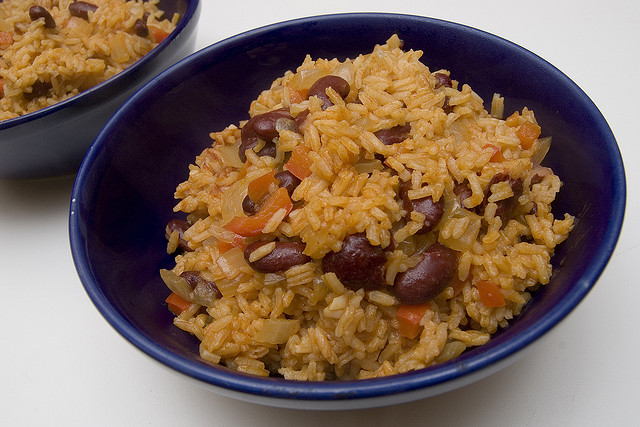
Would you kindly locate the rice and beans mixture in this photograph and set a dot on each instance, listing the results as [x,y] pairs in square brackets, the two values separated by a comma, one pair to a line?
[370,218]
[51,50]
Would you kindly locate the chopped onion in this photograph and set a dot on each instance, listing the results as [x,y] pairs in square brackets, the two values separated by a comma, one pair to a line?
[277,331]
[346,70]
[232,202]
[230,156]
[304,79]
[176,283]
[542,150]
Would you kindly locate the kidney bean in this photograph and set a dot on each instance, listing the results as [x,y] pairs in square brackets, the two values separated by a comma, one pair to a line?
[263,126]
[181,226]
[431,210]
[140,28]
[442,80]
[37,12]
[284,256]
[248,206]
[194,278]
[505,207]
[319,88]
[301,117]
[425,280]
[463,191]
[38,89]
[81,9]
[448,109]
[288,181]
[393,135]
[358,264]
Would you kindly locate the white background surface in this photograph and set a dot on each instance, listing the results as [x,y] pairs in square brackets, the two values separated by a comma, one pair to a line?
[62,364]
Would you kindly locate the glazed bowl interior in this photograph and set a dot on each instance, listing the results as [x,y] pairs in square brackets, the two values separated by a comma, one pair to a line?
[52,141]
[123,196]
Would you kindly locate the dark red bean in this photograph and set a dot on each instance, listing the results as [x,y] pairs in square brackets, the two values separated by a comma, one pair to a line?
[181,226]
[442,80]
[38,89]
[265,127]
[140,28]
[300,118]
[37,12]
[425,280]
[248,206]
[194,278]
[284,256]
[81,9]
[393,135]
[448,109]
[463,191]
[288,181]
[319,89]
[358,264]
[431,210]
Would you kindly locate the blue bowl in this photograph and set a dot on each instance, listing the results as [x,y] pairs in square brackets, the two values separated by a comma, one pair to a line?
[123,195]
[52,141]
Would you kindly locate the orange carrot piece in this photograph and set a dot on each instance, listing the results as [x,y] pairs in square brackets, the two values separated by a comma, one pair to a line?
[513,120]
[490,294]
[238,242]
[299,164]
[496,157]
[259,187]
[252,225]
[296,96]
[158,34]
[409,316]
[527,133]
[6,38]
[176,303]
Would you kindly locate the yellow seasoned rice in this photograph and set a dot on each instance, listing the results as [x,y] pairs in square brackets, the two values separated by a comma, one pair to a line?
[41,66]
[304,323]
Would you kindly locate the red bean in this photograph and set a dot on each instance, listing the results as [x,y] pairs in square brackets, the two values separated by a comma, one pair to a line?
[140,28]
[288,181]
[265,127]
[442,80]
[37,12]
[194,278]
[393,135]
[248,206]
[358,264]
[431,210]
[319,89]
[283,256]
[38,89]
[181,226]
[81,9]
[425,280]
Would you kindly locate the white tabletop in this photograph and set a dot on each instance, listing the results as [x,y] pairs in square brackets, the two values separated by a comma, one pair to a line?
[62,364]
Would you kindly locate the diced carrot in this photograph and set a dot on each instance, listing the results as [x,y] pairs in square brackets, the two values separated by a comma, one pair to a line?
[238,242]
[253,225]
[296,96]
[176,303]
[490,294]
[527,133]
[496,157]
[513,120]
[409,316]
[158,33]
[6,38]
[299,164]
[259,187]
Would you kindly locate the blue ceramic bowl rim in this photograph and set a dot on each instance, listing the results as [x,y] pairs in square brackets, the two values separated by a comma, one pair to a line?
[109,83]
[358,389]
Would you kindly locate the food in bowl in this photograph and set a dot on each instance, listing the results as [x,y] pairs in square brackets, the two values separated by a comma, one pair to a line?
[370,218]
[54,49]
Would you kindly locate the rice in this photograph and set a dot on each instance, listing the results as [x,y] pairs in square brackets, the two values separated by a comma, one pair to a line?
[48,59]
[295,298]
